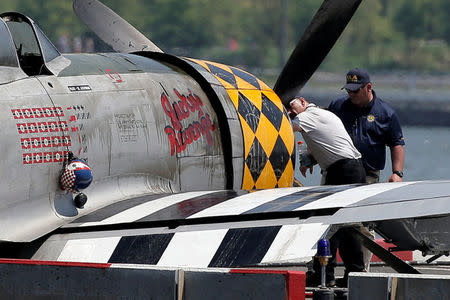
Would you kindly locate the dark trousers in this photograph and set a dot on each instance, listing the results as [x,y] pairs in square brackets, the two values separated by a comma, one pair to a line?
[344,171]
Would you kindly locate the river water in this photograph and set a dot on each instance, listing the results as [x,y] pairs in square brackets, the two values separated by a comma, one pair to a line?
[427,156]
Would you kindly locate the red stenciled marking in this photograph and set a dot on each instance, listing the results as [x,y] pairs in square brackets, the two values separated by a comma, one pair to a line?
[58,111]
[22,127]
[66,141]
[48,157]
[37,158]
[182,109]
[44,157]
[27,113]
[58,156]
[46,142]
[26,144]
[43,127]
[27,158]
[32,128]
[38,112]
[56,141]
[38,142]
[48,112]
[17,113]
[35,142]
[79,140]
[53,126]
[63,126]
[114,75]
[180,137]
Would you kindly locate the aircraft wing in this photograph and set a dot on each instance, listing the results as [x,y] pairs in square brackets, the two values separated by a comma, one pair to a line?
[240,228]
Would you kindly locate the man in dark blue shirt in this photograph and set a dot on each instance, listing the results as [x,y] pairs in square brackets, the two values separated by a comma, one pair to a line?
[372,124]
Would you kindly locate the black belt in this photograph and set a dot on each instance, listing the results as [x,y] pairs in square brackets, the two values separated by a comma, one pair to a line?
[340,162]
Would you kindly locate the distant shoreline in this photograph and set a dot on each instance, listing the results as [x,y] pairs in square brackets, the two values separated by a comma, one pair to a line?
[419,99]
[412,108]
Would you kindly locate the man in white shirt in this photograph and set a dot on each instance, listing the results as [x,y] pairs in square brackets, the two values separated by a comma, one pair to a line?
[331,146]
[328,142]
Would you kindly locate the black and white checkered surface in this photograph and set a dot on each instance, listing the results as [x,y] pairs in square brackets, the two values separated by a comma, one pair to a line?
[230,228]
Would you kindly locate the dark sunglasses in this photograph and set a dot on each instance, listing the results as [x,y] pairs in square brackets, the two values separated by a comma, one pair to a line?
[354,91]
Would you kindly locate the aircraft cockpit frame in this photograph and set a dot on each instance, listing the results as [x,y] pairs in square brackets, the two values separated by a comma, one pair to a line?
[8,57]
[27,47]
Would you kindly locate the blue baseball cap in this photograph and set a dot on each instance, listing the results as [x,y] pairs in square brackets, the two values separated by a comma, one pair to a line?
[356,78]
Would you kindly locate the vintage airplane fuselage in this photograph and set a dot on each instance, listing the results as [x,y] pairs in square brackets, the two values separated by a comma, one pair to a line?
[144,122]
[150,125]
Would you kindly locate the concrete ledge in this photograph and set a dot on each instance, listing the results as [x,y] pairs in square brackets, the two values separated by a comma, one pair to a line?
[295,280]
[28,279]
[398,286]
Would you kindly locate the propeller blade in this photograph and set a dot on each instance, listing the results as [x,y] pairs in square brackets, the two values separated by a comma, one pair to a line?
[322,33]
[111,28]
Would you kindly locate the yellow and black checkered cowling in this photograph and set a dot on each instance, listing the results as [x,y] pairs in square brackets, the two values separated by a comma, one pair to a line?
[269,141]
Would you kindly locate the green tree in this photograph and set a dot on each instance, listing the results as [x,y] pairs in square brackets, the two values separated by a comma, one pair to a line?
[54,17]
[424,19]
[406,34]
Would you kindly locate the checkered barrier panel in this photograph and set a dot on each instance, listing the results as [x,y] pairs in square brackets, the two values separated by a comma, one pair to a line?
[269,141]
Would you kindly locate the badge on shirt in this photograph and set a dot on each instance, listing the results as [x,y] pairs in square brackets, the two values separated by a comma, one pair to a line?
[370,118]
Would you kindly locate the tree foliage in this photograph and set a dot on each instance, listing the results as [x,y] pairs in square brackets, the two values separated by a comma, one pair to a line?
[405,34]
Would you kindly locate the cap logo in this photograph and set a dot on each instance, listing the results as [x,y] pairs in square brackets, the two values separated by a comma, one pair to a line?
[352,78]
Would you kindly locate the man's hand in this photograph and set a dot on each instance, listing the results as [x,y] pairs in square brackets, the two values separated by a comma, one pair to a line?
[395,178]
[303,170]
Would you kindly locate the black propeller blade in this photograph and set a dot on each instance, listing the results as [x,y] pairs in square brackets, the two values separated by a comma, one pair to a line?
[112,28]
[317,40]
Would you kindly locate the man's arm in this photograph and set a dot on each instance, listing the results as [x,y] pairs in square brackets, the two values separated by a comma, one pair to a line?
[296,126]
[398,159]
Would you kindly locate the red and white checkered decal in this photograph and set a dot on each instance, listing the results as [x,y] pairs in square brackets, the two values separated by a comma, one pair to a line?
[67,179]
[41,129]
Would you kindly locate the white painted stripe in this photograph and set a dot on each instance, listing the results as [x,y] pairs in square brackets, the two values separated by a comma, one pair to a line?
[101,249]
[192,249]
[392,210]
[196,249]
[295,242]
[142,210]
[417,256]
[246,202]
[351,196]
[89,250]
